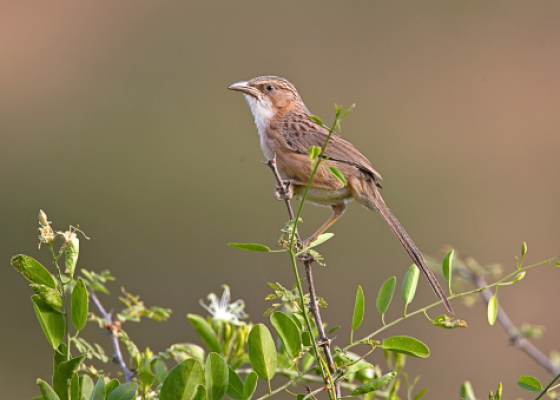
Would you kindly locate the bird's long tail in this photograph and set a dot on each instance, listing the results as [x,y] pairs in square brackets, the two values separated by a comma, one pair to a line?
[375,201]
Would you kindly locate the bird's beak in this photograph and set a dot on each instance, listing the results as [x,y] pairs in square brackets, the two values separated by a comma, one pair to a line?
[245,87]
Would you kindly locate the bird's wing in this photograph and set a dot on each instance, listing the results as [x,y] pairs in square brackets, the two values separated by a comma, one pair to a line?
[300,133]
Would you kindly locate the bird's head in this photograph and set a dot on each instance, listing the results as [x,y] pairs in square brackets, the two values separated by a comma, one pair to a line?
[270,96]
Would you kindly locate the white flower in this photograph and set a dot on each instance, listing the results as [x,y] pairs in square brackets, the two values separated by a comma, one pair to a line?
[224,311]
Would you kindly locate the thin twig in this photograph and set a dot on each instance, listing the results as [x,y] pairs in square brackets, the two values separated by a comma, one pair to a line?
[114,329]
[313,306]
[516,339]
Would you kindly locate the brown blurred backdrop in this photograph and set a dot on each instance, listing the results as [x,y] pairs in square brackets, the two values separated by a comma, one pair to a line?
[115,116]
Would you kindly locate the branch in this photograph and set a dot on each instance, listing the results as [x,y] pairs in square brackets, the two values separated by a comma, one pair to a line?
[516,339]
[325,342]
[114,328]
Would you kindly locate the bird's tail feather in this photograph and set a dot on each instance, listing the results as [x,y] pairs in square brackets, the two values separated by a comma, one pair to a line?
[377,203]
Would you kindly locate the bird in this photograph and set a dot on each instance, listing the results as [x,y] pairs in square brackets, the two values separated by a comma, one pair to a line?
[286,134]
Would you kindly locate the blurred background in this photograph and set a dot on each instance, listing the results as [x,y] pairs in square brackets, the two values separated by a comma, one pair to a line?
[115,116]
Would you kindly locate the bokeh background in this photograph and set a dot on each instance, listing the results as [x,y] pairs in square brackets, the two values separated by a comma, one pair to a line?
[115,116]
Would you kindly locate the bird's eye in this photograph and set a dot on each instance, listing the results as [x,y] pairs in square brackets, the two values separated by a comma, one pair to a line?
[269,87]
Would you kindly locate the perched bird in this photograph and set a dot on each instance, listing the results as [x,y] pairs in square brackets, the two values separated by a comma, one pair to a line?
[286,134]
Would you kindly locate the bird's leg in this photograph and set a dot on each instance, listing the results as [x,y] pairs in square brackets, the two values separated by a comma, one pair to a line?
[286,192]
[337,213]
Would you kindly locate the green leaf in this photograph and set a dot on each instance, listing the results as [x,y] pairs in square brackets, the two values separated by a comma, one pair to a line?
[519,276]
[406,345]
[205,332]
[86,387]
[358,309]
[492,310]
[68,368]
[314,152]
[529,383]
[112,385]
[358,366]
[421,394]
[99,389]
[348,110]
[51,296]
[33,271]
[338,175]
[316,119]
[79,305]
[216,373]
[235,386]
[446,322]
[46,390]
[306,339]
[410,284]
[447,268]
[52,322]
[126,391]
[262,352]
[249,386]
[250,247]
[199,393]
[374,384]
[75,387]
[59,381]
[467,391]
[288,332]
[333,329]
[321,239]
[71,253]
[181,382]
[523,249]
[386,295]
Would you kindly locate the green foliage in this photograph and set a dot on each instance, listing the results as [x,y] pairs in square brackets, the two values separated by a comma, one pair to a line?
[385,296]
[79,305]
[410,283]
[51,320]
[181,382]
[205,332]
[262,352]
[216,373]
[288,332]
[374,384]
[406,345]
[529,383]
[492,310]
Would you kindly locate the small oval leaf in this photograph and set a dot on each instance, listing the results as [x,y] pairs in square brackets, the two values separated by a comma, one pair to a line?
[250,247]
[33,270]
[492,310]
[288,332]
[52,322]
[421,394]
[406,345]
[449,323]
[467,391]
[529,383]
[181,382]
[316,119]
[519,276]
[359,308]
[410,284]
[262,352]
[205,332]
[79,305]
[216,372]
[386,295]
[374,384]
[46,390]
[126,391]
[249,386]
[71,254]
[68,368]
[321,239]
[338,175]
[314,152]
[235,386]
[99,389]
[447,266]
[51,296]
[334,329]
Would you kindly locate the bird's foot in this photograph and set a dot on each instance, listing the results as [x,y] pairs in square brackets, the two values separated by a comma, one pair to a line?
[284,192]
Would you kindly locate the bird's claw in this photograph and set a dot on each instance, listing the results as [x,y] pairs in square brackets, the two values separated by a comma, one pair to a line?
[284,192]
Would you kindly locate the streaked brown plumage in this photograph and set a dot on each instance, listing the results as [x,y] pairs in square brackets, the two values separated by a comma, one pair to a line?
[286,133]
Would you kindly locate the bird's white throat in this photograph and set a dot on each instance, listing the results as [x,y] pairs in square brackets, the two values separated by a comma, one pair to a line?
[263,112]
